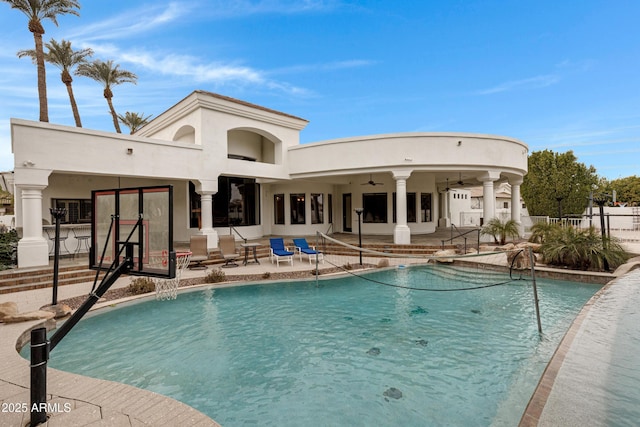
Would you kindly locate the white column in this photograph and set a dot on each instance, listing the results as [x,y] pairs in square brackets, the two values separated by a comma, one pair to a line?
[206,219]
[445,221]
[401,232]
[206,189]
[33,248]
[488,195]
[515,202]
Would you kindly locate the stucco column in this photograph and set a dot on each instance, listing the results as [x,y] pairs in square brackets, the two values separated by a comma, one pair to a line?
[33,248]
[207,189]
[401,232]
[444,220]
[515,202]
[488,195]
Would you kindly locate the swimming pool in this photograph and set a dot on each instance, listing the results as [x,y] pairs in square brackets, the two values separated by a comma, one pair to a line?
[341,352]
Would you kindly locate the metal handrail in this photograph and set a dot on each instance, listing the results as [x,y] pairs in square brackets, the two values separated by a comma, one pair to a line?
[460,234]
[232,230]
[330,228]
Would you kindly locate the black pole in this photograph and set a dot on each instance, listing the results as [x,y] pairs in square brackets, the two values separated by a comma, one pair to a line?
[39,357]
[559,199]
[58,214]
[532,261]
[40,347]
[124,267]
[601,200]
[359,212]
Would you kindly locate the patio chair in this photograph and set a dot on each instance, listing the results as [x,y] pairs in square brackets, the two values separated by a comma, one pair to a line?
[278,251]
[227,245]
[199,251]
[302,247]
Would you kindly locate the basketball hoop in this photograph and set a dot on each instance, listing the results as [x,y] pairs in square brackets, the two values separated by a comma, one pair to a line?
[167,289]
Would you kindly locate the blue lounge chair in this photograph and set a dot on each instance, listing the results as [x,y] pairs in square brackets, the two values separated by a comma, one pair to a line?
[278,251]
[310,251]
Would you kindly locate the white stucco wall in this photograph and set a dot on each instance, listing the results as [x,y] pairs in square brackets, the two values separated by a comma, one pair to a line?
[412,152]
[191,141]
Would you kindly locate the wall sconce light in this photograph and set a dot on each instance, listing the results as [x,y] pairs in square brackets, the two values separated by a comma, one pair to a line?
[459,143]
[28,163]
[129,150]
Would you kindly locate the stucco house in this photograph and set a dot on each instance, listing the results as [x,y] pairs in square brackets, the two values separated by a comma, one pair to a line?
[236,163]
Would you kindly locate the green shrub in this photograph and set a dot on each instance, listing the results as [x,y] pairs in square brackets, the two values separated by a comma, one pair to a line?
[582,249]
[141,285]
[215,276]
[8,245]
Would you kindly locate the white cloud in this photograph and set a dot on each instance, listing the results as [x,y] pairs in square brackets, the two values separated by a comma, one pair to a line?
[126,26]
[329,66]
[234,8]
[524,84]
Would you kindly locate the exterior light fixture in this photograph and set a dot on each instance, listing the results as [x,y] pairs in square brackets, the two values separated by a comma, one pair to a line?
[129,150]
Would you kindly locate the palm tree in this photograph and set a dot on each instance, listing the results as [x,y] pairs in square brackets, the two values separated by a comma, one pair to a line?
[36,11]
[134,121]
[65,58]
[501,230]
[109,75]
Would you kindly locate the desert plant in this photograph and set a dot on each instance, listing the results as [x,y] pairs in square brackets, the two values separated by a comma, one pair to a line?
[266,275]
[540,231]
[500,230]
[215,276]
[582,249]
[141,285]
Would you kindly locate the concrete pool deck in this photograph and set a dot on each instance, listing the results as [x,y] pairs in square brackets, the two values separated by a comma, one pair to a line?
[561,392]
[592,378]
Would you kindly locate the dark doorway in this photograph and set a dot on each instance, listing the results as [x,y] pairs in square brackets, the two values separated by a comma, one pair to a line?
[347,212]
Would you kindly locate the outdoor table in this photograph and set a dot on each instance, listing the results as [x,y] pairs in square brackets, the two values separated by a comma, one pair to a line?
[253,247]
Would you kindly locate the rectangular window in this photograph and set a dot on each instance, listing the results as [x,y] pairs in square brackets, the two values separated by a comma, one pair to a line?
[317,209]
[78,210]
[411,207]
[425,207]
[330,201]
[375,207]
[505,205]
[237,202]
[297,208]
[278,209]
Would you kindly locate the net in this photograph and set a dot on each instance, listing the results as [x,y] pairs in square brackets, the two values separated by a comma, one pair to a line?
[468,271]
[167,289]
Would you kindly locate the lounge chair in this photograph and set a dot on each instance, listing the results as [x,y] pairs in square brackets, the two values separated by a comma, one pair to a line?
[278,251]
[199,251]
[227,245]
[302,247]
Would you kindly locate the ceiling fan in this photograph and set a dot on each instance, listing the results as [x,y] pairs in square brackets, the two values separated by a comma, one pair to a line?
[372,182]
[459,182]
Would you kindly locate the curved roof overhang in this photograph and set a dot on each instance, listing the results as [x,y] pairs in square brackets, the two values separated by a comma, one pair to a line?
[450,156]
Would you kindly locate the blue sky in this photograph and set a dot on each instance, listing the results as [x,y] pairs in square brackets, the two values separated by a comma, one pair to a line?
[558,75]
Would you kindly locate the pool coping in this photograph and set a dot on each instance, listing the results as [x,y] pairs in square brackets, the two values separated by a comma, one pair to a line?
[533,412]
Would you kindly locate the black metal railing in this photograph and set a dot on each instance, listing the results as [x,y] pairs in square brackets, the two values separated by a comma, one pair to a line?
[232,230]
[464,236]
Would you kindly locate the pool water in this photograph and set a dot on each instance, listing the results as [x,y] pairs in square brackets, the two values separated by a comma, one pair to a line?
[339,352]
